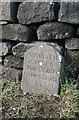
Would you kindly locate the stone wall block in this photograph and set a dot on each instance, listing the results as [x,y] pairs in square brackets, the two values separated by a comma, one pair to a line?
[69,12]
[30,12]
[10,73]
[8,11]
[17,32]
[55,30]
[72,44]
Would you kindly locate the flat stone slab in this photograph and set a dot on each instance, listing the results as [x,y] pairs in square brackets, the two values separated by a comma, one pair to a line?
[41,70]
[17,32]
[69,12]
[31,12]
[55,30]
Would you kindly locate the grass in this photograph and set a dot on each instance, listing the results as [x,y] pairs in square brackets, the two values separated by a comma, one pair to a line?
[15,104]
[70,98]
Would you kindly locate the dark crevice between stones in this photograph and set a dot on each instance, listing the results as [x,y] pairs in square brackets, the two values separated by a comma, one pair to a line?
[35,26]
[67,23]
[61,42]
[2,60]
[56,10]
[75,29]
[14,9]
[12,42]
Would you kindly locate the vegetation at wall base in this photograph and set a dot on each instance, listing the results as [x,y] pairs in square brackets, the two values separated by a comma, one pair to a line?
[16,104]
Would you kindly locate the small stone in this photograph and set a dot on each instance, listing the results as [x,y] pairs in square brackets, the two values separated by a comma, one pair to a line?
[5,48]
[14,109]
[20,49]
[54,30]
[72,44]
[10,73]
[1,60]
[24,93]
[13,61]
[3,22]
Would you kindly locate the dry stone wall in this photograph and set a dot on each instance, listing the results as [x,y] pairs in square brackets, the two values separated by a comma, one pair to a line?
[26,24]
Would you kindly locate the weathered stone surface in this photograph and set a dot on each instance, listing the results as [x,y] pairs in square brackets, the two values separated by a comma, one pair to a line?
[0,59]
[17,32]
[41,71]
[3,22]
[72,43]
[31,12]
[12,61]
[69,12]
[5,48]
[56,46]
[10,73]
[20,49]
[8,11]
[55,30]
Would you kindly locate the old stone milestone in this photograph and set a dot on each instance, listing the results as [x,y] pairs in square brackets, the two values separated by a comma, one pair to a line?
[41,70]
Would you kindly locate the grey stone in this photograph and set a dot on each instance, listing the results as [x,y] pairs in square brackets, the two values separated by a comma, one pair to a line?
[41,70]
[17,32]
[8,11]
[54,30]
[13,61]
[1,60]
[10,73]
[0,33]
[69,12]
[59,48]
[20,49]
[5,48]
[72,43]
[3,22]
[31,12]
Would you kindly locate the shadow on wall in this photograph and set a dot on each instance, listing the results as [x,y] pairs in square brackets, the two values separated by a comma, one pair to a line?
[14,9]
